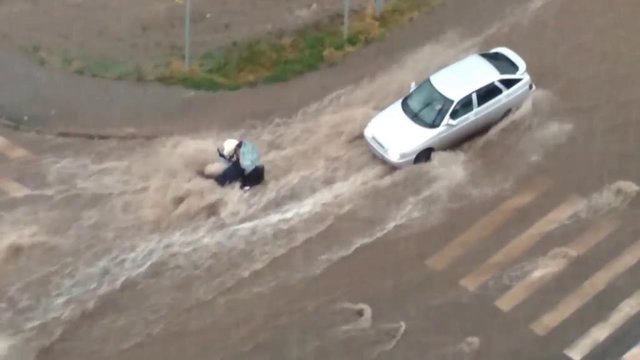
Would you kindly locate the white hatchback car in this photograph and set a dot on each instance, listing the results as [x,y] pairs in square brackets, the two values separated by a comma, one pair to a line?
[453,104]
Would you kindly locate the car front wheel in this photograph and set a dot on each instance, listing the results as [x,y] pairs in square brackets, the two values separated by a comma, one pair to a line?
[423,156]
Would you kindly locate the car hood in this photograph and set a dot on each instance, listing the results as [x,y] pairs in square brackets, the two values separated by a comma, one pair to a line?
[397,132]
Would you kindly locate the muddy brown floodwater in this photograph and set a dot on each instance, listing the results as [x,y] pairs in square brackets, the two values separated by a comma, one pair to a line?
[135,257]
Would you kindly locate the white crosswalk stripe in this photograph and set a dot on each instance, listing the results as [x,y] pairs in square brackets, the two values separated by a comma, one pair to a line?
[522,243]
[552,265]
[484,227]
[13,188]
[590,288]
[619,316]
[11,150]
[632,354]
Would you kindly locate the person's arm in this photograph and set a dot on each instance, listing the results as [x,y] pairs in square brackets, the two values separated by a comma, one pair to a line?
[236,153]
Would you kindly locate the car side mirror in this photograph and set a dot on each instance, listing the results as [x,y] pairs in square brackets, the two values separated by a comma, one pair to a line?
[452,122]
[412,86]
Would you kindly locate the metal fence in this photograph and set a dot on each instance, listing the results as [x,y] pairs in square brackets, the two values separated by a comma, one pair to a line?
[379,7]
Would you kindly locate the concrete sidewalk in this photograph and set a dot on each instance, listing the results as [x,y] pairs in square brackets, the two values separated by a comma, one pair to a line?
[54,101]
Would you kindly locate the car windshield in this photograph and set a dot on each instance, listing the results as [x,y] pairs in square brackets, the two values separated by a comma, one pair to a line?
[426,106]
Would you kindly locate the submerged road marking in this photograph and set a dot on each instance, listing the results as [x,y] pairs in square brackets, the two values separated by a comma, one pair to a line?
[522,243]
[632,354]
[597,334]
[548,270]
[596,283]
[13,188]
[486,225]
[11,150]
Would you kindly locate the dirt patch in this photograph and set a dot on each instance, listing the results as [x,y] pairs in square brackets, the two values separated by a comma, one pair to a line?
[145,30]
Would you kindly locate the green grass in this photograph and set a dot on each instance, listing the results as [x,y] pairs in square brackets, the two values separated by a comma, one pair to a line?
[267,60]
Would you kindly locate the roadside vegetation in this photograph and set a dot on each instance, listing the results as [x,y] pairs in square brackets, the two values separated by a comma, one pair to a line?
[257,61]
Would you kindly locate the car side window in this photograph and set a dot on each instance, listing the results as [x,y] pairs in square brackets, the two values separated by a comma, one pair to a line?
[462,108]
[509,83]
[488,93]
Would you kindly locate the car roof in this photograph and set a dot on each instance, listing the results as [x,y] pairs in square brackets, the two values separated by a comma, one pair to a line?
[464,76]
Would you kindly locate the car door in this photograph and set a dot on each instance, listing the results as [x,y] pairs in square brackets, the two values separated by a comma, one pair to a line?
[516,90]
[458,125]
[490,106]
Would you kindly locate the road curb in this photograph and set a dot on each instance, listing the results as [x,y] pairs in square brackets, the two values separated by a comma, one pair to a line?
[128,134]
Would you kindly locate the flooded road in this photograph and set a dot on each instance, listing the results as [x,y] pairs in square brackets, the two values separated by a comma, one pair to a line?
[121,252]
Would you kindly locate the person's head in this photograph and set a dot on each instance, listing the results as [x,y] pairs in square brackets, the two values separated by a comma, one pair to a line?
[229,148]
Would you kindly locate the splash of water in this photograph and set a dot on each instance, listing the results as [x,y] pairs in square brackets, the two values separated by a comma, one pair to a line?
[364,313]
[615,195]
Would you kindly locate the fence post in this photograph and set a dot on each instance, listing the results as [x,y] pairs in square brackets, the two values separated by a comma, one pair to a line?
[379,7]
[187,33]
[345,25]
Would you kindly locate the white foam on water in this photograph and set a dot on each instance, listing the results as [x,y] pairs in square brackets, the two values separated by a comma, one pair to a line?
[5,343]
[469,346]
[396,330]
[449,170]
[12,349]
[365,317]
[612,196]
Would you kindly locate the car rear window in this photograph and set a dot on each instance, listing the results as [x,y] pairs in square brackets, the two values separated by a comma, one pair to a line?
[501,62]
